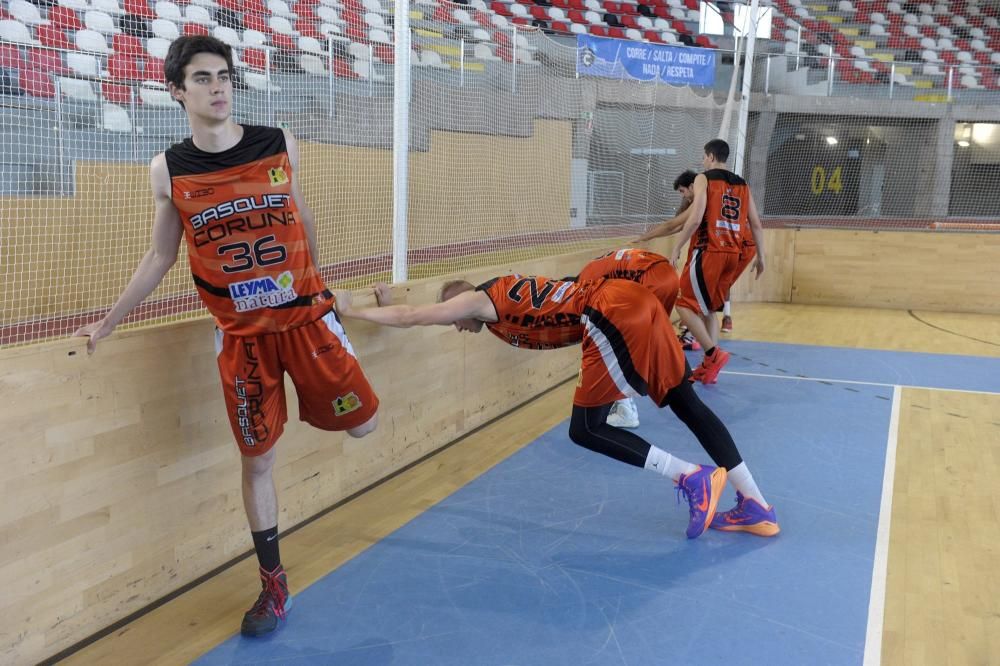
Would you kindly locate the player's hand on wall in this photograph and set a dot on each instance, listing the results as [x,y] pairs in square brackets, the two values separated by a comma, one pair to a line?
[94,332]
[344,301]
[383,294]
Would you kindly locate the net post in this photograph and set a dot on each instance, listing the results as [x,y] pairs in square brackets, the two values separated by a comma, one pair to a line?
[951,81]
[400,138]
[59,133]
[829,77]
[267,83]
[767,76]
[751,40]
[513,70]
[135,127]
[329,73]
[461,62]
[892,77]
[371,69]
[798,46]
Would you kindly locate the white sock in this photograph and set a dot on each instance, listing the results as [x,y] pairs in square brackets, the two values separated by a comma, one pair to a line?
[668,465]
[725,310]
[741,479]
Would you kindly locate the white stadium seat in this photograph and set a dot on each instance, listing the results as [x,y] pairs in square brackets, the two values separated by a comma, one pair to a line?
[116,119]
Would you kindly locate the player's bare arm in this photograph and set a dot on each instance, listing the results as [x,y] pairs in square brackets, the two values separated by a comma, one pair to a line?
[757,230]
[694,214]
[305,213]
[467,305]
[161,256]
[668,228]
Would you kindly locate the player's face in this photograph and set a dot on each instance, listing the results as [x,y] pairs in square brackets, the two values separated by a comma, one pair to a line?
[208,87]
[685,191]
[470,325]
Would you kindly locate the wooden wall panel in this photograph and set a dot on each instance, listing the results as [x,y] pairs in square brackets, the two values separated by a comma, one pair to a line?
[122,483]
[950,272]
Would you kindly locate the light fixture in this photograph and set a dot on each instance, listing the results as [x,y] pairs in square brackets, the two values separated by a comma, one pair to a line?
[963,143]
[832,140]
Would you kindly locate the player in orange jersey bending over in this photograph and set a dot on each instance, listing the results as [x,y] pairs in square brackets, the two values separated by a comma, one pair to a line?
[232,192]
[628,349]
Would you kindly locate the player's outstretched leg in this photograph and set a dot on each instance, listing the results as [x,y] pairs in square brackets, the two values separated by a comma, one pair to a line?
[701,484]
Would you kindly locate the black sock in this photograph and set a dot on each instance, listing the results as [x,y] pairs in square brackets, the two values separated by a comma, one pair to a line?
[711,351]
[265,543]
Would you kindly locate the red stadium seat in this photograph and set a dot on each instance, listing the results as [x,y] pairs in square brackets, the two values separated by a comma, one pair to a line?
[195,29]
[117,93]
[342,69]
[284,42]
[10,57]
[139,8]
[559,26]
[386,53]
[45,60]
[153,70]
[255,59]
[124,67]
[50,35]
[64,18]
[37,83]
[127,45]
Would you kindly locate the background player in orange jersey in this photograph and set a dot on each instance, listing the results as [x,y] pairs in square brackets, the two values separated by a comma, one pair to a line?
[628,349]
[721,210]
[232,192]
[682,184]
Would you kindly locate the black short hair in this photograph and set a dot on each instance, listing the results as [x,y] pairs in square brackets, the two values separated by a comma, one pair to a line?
[183,50]
[718,149]
[686,179]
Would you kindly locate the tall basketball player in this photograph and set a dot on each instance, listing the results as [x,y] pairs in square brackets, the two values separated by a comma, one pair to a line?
[232,191]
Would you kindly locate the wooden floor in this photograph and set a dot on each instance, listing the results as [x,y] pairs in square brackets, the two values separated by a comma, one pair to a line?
[942,583]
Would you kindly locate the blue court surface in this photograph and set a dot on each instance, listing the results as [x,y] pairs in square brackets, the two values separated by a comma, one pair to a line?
[562,556]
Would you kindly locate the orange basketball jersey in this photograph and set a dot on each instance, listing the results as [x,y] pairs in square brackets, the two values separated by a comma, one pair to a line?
[248,249]
[625,264]
[725,219]
[536,312]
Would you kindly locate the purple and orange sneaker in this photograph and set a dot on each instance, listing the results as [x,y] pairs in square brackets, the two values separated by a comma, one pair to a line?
[702,489]
[747,516]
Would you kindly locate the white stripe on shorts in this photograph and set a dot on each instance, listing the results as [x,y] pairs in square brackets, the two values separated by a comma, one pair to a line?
[696,287]
[330,319]
[608,356]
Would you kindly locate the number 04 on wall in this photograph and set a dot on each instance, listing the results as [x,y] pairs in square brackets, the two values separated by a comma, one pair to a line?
[820,183]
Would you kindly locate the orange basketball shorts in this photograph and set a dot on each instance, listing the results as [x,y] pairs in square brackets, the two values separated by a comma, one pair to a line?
[706,279]
[629,347]
[747,254]
[333,392]
[662,280]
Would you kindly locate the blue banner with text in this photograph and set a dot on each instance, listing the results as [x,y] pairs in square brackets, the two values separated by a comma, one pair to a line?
[627,59]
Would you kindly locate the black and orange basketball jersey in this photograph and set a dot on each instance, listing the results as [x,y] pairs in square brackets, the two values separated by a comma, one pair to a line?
[624,264]
[725,219]
[536,312]
[248,249]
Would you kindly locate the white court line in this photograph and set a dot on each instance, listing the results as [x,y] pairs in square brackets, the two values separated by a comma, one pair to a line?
[876,600]
[852,381]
